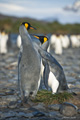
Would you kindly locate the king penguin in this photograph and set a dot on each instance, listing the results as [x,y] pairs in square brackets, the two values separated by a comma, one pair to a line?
[29,64]
[53,75]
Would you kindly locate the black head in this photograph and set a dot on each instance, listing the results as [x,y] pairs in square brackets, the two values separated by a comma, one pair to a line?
[27,25]
[42,39]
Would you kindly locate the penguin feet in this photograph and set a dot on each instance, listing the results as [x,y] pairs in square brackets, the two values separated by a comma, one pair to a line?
[27,97]
[24,97]
[25,102]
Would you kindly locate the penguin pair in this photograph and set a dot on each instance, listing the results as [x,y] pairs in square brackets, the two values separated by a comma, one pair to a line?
[29,63]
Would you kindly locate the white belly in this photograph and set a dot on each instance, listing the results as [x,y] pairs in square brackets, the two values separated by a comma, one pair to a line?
[53,83]
[42,69]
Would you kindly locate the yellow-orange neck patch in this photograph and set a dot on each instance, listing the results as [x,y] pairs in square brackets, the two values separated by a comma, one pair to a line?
[45,39]
[26,25]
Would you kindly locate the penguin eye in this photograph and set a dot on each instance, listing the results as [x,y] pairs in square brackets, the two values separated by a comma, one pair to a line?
[26,25]
[45,39]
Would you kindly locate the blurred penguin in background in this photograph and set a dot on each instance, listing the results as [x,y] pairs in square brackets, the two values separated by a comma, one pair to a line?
[74,41]
[64,40]
[9,43]
[78,37]
[19,41]
[3,42]
[58,46]
[55,45]
[52,41]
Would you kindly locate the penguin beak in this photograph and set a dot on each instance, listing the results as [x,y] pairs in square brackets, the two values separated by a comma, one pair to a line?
[32,28]
[36,36]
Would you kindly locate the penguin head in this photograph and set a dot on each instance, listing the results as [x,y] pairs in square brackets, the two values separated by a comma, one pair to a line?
[27,25]
[42,39]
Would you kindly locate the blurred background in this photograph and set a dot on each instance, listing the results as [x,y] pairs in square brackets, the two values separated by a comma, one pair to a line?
[61,16]
[49,17]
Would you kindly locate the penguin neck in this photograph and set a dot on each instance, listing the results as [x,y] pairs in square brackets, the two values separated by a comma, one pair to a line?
[26,39]
[45,45]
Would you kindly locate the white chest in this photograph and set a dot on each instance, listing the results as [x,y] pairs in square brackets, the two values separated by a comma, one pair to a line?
[53,82]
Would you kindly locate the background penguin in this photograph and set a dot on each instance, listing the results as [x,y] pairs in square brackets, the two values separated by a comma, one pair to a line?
[18,41]
[53,75]
[58,45]
[30,64]
[3,42]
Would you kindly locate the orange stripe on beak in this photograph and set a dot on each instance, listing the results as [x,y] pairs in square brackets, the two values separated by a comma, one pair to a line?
[36,36]
[32,28]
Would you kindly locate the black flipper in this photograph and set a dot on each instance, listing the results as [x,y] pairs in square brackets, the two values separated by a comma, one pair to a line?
[46,74]
[49,58]
[19,59]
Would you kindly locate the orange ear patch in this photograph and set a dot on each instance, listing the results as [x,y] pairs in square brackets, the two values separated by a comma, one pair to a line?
[26,25]
[45,39]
